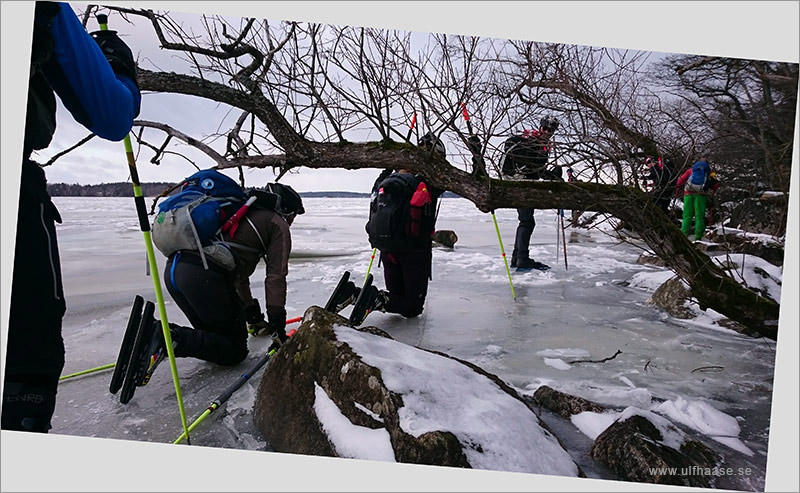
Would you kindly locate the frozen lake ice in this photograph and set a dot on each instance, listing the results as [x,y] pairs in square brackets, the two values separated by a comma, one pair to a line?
[678,368]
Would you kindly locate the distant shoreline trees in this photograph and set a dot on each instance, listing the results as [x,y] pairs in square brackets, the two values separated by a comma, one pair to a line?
[123,189]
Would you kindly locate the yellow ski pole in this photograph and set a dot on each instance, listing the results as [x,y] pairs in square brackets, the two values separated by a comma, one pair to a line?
[144,224]
[371,259]
[505,260]
[86,372]
[465,114]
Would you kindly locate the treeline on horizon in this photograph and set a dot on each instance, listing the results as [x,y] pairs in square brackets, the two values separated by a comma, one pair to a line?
[124,189]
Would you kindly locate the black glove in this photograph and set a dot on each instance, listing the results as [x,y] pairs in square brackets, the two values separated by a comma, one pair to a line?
[474,144]
[256,325]
[117,53]
[277,322]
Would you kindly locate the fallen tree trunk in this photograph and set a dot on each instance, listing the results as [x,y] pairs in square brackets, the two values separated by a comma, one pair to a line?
[712,287]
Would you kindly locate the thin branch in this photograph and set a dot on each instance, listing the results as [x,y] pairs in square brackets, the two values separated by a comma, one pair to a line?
[214,155]
[80,143]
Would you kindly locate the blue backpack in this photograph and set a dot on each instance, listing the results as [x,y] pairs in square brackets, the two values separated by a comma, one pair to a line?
[193,218]
[697,180]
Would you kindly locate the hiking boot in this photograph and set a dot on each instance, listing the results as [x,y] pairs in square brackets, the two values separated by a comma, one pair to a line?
[370,299]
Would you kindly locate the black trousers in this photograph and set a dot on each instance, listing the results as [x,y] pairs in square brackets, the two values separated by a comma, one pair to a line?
[208,299]
[406,276]
[522,240]
[35,349]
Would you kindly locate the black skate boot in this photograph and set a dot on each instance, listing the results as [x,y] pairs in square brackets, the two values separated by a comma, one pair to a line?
[346,297]
[149,350]
[344,294]
[527,264]
[371,299]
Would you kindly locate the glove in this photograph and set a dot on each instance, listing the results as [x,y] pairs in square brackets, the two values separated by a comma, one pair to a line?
[117,53]
[277,322]
[474,144]
[256,325]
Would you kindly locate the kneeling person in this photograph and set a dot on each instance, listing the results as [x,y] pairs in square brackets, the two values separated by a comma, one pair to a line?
[406,268]
[218,302]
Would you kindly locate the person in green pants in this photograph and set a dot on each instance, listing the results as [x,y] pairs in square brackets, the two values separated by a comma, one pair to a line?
[698,184]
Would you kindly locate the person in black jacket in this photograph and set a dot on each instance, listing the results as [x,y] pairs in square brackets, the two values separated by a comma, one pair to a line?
[662,180]
[406,273]
[526,157]
[94,76]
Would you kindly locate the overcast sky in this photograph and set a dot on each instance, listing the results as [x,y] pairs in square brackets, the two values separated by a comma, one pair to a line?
[101,161]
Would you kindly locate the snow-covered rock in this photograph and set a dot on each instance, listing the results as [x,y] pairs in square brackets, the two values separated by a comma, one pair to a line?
[644,447]
[333,390]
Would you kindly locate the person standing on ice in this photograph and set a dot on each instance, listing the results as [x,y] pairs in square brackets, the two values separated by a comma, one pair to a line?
[407,256]
[219,303]
[526,157]
[696,190]
[94,76]
[660,176]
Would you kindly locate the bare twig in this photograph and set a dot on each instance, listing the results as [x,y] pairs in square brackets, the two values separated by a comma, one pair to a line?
[80,143]
[598,361]
[709,368]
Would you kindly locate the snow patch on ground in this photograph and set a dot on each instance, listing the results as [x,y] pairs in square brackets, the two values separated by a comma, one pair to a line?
[368,412]
[706,419]
[592,424]
[349,440]
[755,272]
[650,281]
[557,363]
[564,353]
[671,436]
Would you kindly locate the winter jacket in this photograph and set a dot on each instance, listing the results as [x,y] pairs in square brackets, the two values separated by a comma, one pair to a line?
[65,60]
[273,231]
[527,155]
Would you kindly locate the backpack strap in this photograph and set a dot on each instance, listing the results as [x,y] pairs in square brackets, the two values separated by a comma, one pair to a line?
[255,230]
[188,210]
[237,246]
[246,248]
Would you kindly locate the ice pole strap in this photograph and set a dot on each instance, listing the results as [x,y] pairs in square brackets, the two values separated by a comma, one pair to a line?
[151,260]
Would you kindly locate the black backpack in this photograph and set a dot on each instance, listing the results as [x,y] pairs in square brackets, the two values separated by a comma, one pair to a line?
[394,223]
[525,155]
